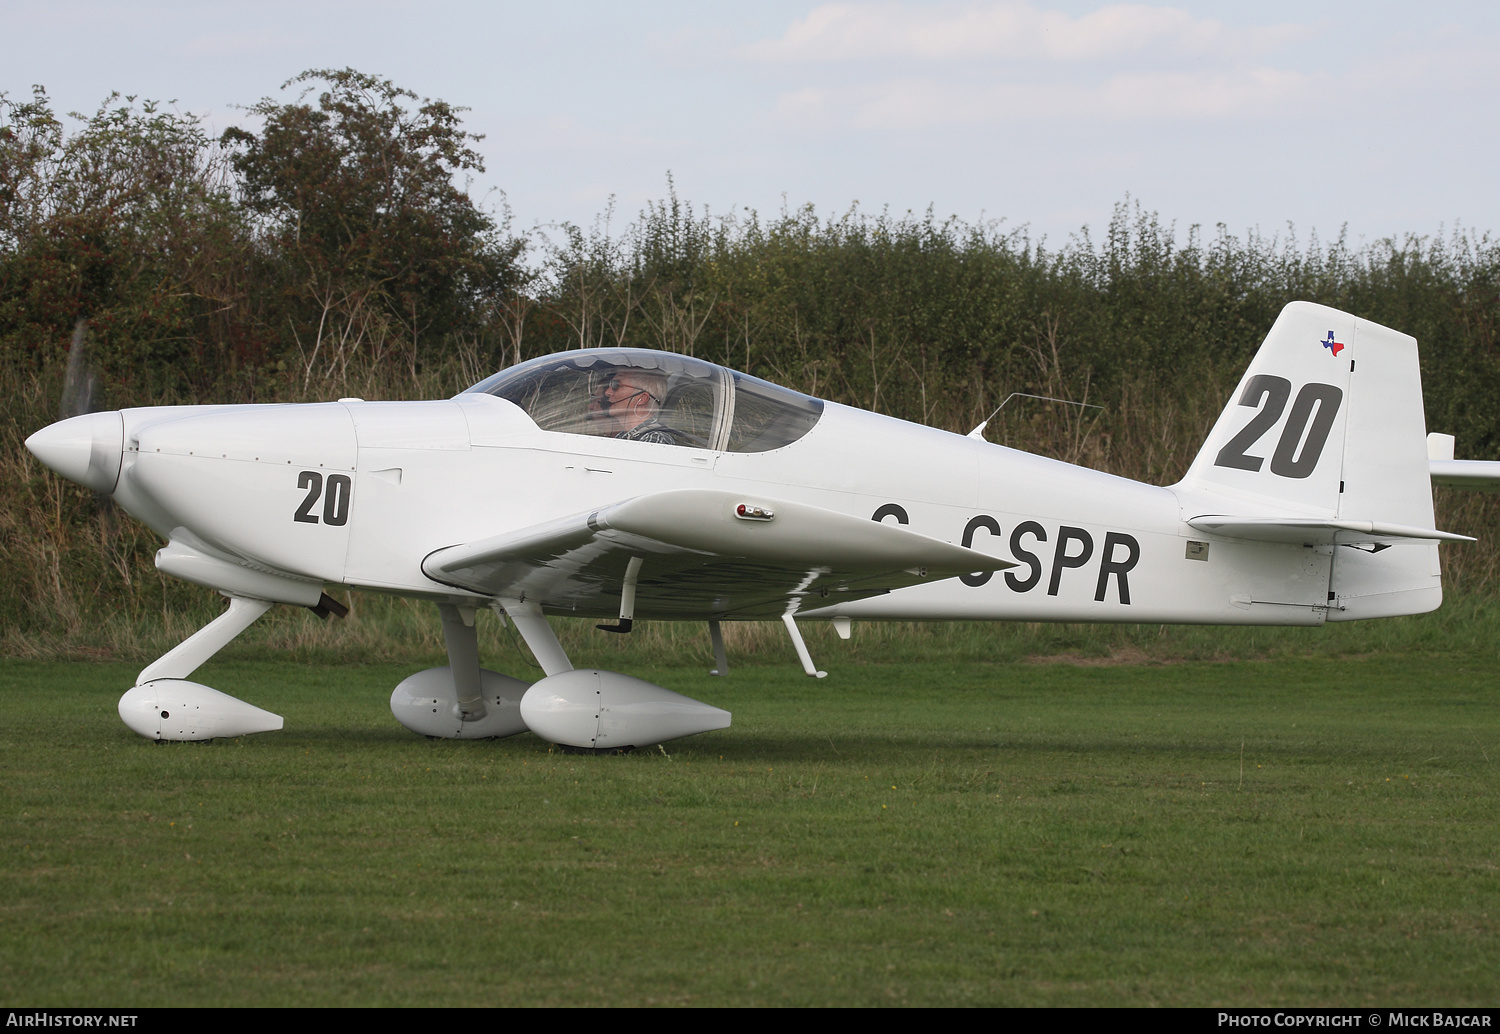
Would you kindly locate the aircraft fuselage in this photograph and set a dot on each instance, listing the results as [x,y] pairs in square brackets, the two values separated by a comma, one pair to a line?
[358,493]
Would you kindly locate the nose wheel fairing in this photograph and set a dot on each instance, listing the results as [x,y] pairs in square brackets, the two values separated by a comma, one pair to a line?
[176,709]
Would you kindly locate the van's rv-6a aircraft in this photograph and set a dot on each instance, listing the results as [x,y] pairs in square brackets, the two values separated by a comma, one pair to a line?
[627,484]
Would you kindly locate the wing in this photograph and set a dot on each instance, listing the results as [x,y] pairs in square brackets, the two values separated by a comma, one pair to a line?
[704,554]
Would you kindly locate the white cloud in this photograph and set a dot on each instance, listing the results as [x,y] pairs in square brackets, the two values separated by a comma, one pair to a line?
[901,66]
[1011,29]
[1243,92]
[916,103]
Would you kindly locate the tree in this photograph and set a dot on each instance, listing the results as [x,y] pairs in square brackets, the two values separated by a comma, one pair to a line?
[359,193]
[124,224]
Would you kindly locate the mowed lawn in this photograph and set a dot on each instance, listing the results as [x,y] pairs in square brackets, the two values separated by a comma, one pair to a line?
[1269,832]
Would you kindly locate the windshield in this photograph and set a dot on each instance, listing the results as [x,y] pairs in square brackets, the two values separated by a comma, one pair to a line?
[655,397]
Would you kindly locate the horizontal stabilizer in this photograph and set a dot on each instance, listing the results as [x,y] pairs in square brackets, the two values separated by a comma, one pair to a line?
[1476,475]
[1317,531]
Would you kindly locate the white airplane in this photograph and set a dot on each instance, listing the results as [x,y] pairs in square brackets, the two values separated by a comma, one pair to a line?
[628,484]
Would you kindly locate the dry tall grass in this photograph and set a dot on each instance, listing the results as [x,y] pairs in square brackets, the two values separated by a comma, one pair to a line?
[82,582]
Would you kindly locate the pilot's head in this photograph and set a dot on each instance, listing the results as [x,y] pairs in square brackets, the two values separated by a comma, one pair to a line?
[628,398]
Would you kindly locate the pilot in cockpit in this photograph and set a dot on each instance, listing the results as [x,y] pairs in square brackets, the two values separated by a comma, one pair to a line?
[628,405]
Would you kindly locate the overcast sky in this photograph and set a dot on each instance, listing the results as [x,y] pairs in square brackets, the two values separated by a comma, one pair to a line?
[1378,117]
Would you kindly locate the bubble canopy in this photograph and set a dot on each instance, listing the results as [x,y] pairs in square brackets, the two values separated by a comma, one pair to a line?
[655,397]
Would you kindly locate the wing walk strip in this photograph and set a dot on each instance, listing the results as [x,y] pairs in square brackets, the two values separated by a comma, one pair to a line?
[708,560]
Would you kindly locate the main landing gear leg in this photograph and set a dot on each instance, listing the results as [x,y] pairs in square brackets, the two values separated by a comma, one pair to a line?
[721,659]
[462,640]
[462,701]
[532,624]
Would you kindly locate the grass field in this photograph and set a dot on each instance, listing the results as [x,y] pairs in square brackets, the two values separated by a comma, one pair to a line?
[1285,831]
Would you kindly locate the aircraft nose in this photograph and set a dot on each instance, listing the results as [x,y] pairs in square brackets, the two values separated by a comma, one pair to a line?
[86,449]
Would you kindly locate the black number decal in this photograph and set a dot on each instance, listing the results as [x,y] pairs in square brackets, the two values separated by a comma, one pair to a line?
[1276,390]
[336,501]
[1288,460]
[1285,461]
[895,510]
[993,527]
[313,482]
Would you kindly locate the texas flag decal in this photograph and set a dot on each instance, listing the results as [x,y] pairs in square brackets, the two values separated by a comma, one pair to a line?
[1333,346]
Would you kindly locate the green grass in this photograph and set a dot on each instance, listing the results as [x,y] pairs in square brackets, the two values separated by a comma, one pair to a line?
[409,632]
[1288,831]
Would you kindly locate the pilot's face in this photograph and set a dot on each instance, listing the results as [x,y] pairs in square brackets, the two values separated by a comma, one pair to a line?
[619,405]
[596,414]
[601,396]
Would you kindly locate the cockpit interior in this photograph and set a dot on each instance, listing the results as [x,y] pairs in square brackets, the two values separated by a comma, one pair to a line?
[655,397]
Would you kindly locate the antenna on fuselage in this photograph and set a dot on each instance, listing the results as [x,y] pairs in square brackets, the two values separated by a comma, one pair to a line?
[978,432]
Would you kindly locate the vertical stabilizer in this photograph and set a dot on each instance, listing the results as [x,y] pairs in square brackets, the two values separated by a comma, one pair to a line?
[1327,423]
[1278,446]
